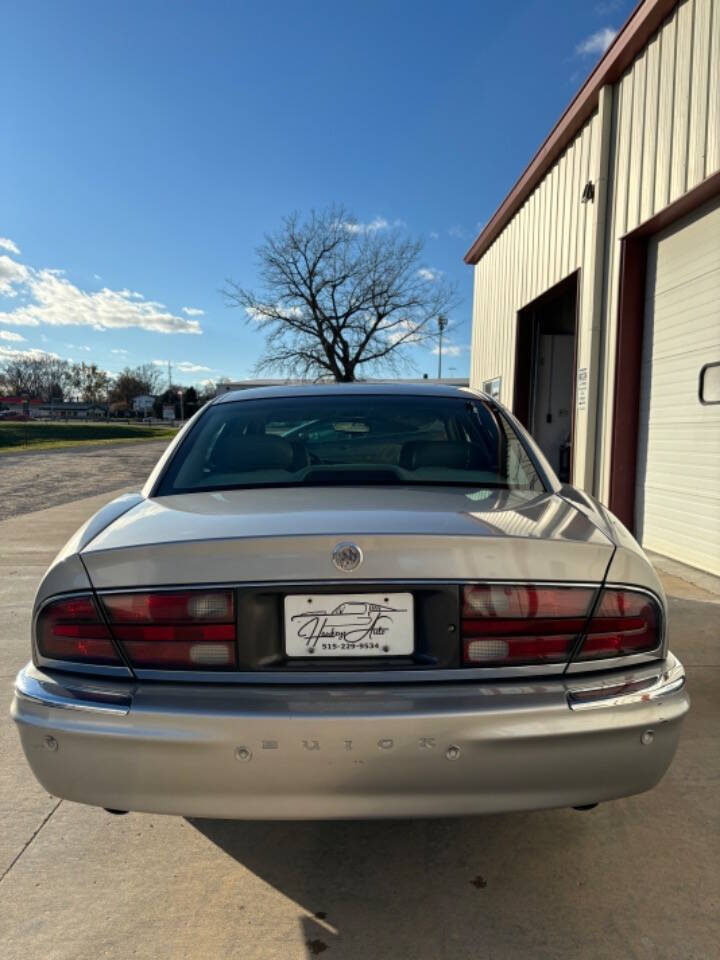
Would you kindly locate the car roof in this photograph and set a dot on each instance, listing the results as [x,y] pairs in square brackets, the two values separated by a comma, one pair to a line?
[350,389]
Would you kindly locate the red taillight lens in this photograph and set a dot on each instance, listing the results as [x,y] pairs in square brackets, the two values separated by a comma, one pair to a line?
[189,630]
[72,629]
[624,623]
[189,607]
[513,626]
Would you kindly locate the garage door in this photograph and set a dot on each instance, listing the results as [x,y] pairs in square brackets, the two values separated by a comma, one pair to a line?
[677,508]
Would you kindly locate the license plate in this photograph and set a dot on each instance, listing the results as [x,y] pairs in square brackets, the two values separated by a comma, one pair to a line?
[349,625]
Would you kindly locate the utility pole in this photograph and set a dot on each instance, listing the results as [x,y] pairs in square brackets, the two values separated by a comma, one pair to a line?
[442,323]
[182,407]
[169,375]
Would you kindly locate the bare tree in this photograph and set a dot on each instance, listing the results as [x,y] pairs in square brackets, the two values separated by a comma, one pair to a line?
[131,383]
[89,382]
[39,376]
[339,299]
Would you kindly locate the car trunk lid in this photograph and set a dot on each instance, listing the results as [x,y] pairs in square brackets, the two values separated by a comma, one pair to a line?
[288,534]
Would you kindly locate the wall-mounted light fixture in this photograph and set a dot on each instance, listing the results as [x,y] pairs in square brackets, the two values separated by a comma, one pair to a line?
[588,194]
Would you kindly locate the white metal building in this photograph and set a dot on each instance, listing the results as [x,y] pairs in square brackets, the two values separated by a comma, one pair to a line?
[597,284]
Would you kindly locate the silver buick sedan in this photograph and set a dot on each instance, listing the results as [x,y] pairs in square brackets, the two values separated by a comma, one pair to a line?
[350,601]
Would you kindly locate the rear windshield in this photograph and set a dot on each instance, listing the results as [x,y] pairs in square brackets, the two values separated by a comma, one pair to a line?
[343,440]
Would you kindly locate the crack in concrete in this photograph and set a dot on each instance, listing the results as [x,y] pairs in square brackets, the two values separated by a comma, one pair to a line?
[28,842]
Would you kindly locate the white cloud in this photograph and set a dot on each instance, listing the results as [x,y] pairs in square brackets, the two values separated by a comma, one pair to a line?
[56,301]
[456,231]
[377,223]
[9,353]
[96,276]
[12,274]
[434,235]
[451,349]
[258,314]
[78,346]
[193,312]
[184,366]
[597,43]
[9,245]
[9,335]
[602,9]
[430,274]
[119,350]
[407,329]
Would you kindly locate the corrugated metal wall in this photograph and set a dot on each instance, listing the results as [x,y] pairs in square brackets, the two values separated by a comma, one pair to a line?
[665,139]
[667,115]
[544,243]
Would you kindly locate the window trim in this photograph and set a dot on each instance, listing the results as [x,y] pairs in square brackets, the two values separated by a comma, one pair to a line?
[513,426]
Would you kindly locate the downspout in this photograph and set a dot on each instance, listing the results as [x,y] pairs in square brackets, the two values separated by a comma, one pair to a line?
[597,259]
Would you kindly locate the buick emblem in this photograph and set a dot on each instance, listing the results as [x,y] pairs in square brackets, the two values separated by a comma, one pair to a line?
[347,557]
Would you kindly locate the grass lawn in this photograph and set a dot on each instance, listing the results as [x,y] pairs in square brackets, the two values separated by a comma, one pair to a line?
[19,435]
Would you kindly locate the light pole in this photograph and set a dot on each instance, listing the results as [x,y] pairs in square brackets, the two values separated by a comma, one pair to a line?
[442,323]
[182,407]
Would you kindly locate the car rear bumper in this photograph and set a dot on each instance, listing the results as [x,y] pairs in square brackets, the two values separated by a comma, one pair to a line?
[351,752]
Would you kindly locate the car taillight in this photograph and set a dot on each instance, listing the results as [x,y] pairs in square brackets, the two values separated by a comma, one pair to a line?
[518,625]
[625,622]
[189,630]
[72,629]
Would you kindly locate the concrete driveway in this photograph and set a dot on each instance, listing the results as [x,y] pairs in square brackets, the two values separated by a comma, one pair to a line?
[636,878]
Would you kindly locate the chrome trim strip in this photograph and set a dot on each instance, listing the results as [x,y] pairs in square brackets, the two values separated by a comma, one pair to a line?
[50,693]
[343,581]
[611,694]
[578,667]
[279,677]
[73,667]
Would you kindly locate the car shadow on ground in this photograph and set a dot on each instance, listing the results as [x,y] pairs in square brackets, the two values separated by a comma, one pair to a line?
[470,887]
[545,885]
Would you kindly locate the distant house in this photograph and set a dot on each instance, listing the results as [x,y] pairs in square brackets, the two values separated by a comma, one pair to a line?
[70,410]
[143,404]
[53,409]
[20,405]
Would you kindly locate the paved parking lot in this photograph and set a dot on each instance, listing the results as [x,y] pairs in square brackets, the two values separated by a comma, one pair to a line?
[638,878]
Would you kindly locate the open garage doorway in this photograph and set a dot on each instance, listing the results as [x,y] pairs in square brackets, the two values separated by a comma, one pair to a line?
[544,398]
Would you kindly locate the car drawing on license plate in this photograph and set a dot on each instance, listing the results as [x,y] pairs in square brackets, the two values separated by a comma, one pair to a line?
[355,626]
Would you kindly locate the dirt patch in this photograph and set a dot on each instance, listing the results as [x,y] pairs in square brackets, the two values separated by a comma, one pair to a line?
[34,481]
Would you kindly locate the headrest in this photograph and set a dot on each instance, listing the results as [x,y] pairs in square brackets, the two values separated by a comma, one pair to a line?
[242,454]
[443,453]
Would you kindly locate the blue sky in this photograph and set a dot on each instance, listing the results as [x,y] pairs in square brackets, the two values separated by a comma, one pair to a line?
[148,146]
